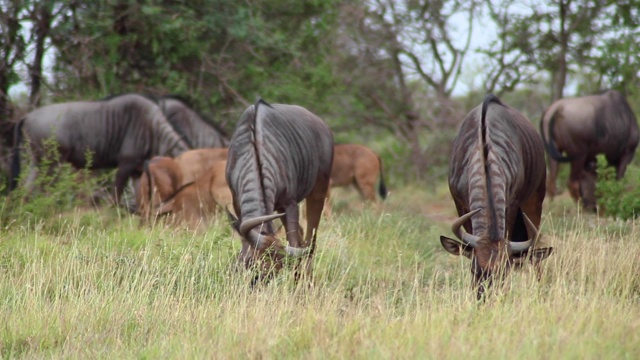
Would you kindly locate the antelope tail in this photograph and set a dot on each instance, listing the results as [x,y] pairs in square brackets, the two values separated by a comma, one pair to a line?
[382,188]
[15,156]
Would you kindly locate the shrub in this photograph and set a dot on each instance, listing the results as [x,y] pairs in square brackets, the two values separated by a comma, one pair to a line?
[57,188]
[620,199]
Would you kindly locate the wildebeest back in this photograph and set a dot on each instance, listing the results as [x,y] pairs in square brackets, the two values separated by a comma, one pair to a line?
[275,157]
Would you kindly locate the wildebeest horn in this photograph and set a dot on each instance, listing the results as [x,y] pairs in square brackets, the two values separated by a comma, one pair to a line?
[463,235]
[515,247]
[249,224]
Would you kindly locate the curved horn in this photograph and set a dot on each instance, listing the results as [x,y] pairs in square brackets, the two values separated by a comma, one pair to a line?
[456,227]
[532,231]
[516,247]
[249,224]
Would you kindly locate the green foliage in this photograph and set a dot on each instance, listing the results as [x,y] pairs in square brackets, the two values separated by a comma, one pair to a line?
[57,188]
[619,199]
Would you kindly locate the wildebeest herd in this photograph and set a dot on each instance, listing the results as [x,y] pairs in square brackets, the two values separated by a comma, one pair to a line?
[279,155]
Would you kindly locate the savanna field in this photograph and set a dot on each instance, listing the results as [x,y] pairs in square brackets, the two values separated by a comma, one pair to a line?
[92,283]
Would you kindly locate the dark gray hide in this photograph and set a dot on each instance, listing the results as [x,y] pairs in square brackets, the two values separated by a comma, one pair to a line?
[278,157]
[197,131]
[582,128]
[121,132]
[497,181]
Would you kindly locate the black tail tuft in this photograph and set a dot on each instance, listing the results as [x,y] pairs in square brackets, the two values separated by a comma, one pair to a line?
[382,188]
[549,144]
[15,156]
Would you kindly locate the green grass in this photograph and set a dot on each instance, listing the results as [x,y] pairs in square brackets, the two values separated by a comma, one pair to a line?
[93,284]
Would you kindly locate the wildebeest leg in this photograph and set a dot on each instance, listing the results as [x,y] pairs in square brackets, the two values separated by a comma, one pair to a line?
[552,190]
[29,182]
[621,166]
[577,167]
[366,186]
[125,171]
[292,226]
[532,207]
[327,204]
[315,204]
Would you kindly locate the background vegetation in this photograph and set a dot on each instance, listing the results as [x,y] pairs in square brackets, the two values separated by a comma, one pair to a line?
[396,75]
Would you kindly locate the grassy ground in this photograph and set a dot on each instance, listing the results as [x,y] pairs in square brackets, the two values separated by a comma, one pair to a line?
[93,284]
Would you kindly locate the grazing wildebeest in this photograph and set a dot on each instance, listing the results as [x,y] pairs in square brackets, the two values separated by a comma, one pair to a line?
[196,130]
[193,203]
[119,132]
[583,127]
[279,155]
[359,166]
[497,181]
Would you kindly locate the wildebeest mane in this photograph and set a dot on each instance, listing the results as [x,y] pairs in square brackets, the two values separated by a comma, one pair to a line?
[207,119]
[147,96]
[487,160]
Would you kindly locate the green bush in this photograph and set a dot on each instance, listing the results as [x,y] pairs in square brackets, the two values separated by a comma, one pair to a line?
[620,199]
[58,187]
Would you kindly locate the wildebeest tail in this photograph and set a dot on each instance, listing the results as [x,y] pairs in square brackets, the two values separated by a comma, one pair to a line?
[382,188]
[15,156]
[549,144]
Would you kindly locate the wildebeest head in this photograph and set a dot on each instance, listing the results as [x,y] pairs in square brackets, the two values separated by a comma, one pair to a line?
[490,259]
[261,249]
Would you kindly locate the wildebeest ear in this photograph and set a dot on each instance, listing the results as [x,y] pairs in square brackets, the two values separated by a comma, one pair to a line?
[455,247]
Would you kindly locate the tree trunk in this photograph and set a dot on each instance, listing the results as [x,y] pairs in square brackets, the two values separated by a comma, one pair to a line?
[560,75]
[42,18]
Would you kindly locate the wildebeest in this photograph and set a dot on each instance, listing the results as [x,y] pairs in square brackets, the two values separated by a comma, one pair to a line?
[583,127]
[279,155]
[197,131]
[194,202]
[122,131]
[497,181]
[359,166]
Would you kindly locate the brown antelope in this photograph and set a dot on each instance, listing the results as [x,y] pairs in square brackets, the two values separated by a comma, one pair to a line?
[359,166]
[196,162]
[194,203]
[159,181]
[161,177]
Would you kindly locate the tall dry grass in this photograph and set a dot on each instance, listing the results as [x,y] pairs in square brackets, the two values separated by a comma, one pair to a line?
[93,284]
